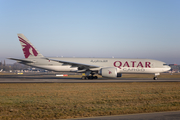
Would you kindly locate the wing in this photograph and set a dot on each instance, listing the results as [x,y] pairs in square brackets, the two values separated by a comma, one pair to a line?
[80,66]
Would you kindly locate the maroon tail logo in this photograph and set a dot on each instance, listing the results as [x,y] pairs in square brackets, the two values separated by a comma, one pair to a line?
[27,47]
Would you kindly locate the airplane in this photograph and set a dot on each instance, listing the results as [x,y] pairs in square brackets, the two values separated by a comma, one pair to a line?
[106,67]
[1,70]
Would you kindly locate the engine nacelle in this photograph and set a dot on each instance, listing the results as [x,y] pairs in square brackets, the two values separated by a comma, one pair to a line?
[110,72]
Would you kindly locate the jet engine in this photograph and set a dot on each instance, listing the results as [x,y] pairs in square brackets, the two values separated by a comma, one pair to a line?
[110,72]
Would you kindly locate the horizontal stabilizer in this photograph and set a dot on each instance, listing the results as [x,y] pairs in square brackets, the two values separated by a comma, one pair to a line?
[22,60]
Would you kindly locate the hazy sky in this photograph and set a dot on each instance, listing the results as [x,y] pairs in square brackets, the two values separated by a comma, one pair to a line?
[92,28]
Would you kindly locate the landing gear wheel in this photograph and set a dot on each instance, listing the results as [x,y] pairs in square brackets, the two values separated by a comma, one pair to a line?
[83,77]
[89,77]
[155,78]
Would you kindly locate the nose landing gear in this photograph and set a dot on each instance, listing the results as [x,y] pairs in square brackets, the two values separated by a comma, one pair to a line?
[155,78]
[156,74]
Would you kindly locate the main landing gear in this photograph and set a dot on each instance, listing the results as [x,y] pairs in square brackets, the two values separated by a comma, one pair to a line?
[89,77]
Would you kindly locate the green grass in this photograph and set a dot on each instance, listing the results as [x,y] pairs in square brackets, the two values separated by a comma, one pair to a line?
[75,100]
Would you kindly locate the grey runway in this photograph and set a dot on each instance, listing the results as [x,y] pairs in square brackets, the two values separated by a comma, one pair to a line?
[54,79]
[174,115]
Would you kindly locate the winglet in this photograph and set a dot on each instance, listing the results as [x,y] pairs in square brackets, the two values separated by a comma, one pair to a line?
[28,49]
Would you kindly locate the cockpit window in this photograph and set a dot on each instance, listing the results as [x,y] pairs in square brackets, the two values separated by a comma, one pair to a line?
[165,64]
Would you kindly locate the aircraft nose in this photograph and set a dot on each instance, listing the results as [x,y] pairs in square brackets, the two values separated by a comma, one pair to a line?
[169,68]
[166,67]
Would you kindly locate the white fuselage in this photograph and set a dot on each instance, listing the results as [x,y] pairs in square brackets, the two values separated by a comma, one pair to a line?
[122,65]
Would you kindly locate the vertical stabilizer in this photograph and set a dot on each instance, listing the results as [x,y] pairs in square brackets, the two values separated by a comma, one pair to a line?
[28,49]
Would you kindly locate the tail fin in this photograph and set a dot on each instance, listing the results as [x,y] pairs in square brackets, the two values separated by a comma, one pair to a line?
[28,49]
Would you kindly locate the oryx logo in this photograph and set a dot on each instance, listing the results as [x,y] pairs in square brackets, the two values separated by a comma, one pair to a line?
[27,48]
[109,72]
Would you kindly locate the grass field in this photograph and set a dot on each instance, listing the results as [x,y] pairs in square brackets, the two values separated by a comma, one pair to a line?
[75,100]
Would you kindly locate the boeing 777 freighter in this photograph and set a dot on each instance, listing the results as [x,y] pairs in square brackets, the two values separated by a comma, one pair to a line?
[106,67]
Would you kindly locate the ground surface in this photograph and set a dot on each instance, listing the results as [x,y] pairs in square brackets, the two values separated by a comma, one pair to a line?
[76,100]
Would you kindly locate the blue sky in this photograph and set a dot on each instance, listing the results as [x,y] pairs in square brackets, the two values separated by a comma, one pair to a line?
[92,28]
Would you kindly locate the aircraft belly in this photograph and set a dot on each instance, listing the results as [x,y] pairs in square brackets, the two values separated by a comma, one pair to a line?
[141,70]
